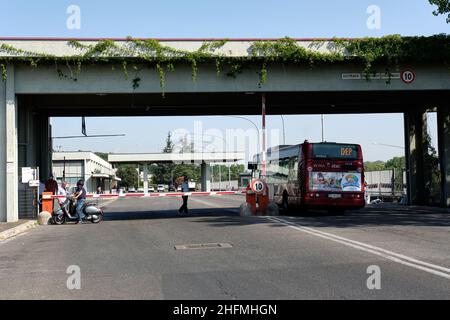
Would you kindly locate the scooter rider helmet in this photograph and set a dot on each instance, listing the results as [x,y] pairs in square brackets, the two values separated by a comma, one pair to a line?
[80,183]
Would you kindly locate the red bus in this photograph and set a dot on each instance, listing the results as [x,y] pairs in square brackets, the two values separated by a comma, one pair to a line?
[323,175]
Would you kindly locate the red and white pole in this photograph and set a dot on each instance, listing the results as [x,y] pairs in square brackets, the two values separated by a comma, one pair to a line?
[263,147]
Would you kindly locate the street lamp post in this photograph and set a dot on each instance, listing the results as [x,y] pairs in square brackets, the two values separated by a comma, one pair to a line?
[321,120]
[388,145]
[254,124]
[220,178]
[229,176]
[284,131]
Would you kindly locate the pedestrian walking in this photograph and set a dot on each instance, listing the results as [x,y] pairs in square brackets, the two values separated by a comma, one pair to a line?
[184,188]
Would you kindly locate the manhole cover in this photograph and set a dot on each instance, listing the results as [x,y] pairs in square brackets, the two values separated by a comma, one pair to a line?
[203,246]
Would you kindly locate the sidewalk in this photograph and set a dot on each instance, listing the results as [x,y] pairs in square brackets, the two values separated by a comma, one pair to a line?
[11,229]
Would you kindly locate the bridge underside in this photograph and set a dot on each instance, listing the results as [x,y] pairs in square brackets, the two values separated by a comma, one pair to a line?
[35,109]
[232,103]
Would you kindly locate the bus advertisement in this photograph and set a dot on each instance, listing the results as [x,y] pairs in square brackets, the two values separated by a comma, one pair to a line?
[324,175]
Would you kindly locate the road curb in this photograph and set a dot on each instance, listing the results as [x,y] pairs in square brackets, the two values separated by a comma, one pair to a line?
[17,230]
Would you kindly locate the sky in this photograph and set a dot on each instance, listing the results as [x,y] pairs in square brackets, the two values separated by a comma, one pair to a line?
[226,19]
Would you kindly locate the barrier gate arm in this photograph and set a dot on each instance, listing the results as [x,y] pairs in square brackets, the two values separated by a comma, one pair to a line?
[153,195]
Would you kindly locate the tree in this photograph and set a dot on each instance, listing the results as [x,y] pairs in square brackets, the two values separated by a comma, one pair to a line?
[191,171]
[443,7]
[431,170]
[374,166]
[102,155]
[397,163]
[169,144]
[129,176]
[162,173]
[235,170]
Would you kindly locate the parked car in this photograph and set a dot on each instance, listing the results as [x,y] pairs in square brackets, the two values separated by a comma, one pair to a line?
[131,189]
[160,188]
[151,189]
[140,190]
[179,188]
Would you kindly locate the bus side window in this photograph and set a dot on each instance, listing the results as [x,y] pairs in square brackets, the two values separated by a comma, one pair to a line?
[284,169]
[293,169]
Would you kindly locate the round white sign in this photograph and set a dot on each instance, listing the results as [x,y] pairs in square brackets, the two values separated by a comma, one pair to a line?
[408,76]
[258,186]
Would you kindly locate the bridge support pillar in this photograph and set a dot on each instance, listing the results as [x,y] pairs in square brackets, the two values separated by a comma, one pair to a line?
[44,142]
[145,178]
[417,179]
[444,153]
[206,177]
[9,178]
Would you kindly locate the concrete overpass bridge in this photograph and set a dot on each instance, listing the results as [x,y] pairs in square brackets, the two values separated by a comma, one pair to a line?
[31,94]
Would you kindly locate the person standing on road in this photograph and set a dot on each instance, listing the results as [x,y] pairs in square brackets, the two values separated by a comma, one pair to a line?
[80,196]
[184,188]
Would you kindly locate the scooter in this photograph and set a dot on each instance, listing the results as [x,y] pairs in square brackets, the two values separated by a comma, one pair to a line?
[67,212]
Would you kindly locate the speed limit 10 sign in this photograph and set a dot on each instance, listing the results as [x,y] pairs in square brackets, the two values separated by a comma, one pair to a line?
[258,186]
[408,76]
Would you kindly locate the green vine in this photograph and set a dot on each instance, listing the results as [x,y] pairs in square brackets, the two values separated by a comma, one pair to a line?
[3,71]
[393,51]
[390,52]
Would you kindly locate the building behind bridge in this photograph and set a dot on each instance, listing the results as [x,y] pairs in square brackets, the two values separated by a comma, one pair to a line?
[75,165]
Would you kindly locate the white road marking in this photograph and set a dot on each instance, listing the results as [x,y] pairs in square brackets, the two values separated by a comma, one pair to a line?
[392,256]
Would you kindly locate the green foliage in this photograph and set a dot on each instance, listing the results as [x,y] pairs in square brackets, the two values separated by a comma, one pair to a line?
[397,163]
[287,50]
[374,166]
[389,53]
[394,50]
[129,176]
[192,171]
[443,7]
[235,170]
[102,155]
[163,172]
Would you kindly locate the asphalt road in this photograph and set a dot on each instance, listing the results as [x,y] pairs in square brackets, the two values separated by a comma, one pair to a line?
[132,255]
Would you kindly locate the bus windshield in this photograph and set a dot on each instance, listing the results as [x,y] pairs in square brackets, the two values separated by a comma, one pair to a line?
[334,151]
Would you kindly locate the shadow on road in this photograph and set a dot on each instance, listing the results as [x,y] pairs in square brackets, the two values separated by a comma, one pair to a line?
[168,214]
[367,217]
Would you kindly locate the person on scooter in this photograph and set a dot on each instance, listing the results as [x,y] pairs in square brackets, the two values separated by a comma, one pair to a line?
[80,197]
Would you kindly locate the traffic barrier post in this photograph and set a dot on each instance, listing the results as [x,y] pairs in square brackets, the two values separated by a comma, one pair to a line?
[47,202]
[250,198]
